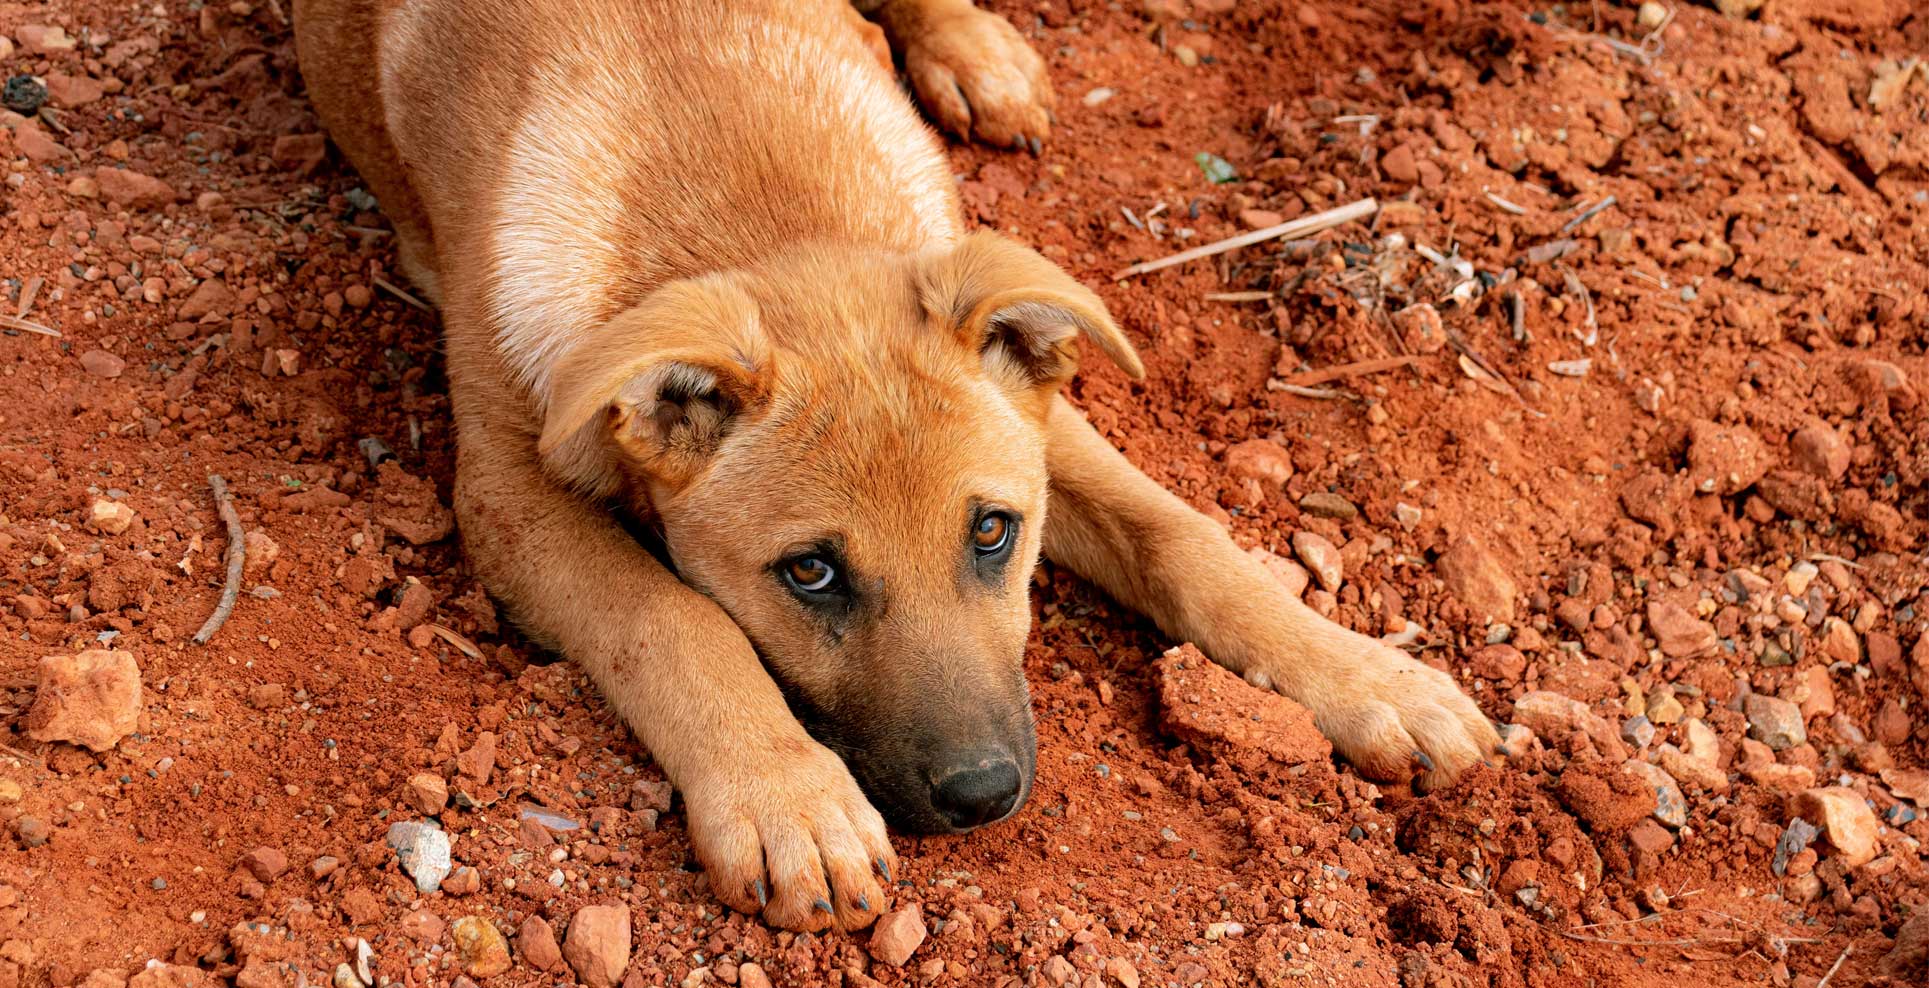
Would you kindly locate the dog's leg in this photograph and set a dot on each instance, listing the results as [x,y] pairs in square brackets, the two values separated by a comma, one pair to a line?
[776,818]
[973,72]
[1393,717]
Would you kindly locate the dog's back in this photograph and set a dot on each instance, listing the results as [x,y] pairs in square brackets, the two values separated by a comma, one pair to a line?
[602,147]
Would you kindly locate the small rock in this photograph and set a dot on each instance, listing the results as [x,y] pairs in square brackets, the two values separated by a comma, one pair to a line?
[1400,166]
[1819,449]
[1679,633]
[100,363]
[1725,459]
[1637,731]
[1419,324]
[91,699]
[1556,717]
[1474,575]
[423,850]
[1259,219]
[426,794]
[109,517]
[1321,557]
[1909,958]
[1499,662]
[265,863]
[422,926]
[480,946]
[1121,970]
[211,297]
[1839,642]
[463,881]
[1774,722]
[133,189]
[1844,818]
[1799,577]
[598,945]
[1058,971]
[752,976]
[1260,460]
[1669,806]
[1651,16]
[1813,693]
[44,39]
[1665,708]
[537,941]
[1322,504]
[897,935]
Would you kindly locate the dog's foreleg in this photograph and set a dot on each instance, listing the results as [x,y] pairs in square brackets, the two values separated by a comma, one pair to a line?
[776,818]
[1393,717]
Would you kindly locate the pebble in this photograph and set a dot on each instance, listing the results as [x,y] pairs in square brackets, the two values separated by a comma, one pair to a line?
[1260,460]
[265,863]
[537,942]
[1637,731]
[1651,15]
[1058,971]
[102,364]
[752,976]
[480,946]
[1818,449]
[1419,324]
[598,945]
[1476,576]
[1725,459]
[109,517]
[1774,722]
[1555,717]
[1669,806]
[1798,578]
[423,850]
[1321,556]
[1678,632]
[1322,504]
[1290,575]
[897,935]
[426,793]
[135,190]
[1121,970]
[1844,818]
[92,699]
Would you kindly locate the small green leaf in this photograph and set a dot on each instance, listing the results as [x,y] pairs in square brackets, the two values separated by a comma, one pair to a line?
[1218,170]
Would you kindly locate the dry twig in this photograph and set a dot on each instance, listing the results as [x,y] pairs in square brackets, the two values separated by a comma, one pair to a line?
[27,325]
[1837,966]
[237,552]
[386,286]
[1302,227]
[1354,369]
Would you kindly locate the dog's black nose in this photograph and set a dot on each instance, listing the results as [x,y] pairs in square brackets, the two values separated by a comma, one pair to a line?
[977,793]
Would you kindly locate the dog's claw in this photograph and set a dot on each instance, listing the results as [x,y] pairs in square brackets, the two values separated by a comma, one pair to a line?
[763,894]
[821,905]
[1424,761]
[884,869]
[1037,146]
[863,904]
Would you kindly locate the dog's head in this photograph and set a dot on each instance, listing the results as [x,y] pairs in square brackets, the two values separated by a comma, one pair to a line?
[846,451]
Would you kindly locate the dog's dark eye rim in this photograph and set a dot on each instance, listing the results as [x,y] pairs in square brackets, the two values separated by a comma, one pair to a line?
[796,572]
[1002,525]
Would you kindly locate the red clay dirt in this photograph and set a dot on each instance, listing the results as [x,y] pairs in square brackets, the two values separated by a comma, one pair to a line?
[1661,457]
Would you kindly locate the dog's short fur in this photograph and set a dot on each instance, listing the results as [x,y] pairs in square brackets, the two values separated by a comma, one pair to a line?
[706,284]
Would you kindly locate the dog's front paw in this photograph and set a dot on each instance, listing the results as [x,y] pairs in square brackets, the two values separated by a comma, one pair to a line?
[790,835]
[974,73]
[1394,718]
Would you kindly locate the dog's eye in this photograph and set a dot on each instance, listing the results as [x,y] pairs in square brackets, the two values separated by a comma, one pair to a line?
[810,574]
[992,533]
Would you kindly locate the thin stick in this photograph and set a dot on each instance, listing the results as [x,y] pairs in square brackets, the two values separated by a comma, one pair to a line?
[237,551]
[1354,369]
[1324,394]
[1506,206]
[1238,296]
[1586,215]
[25,325]
[384,285]
[1302,227]
[1837,966]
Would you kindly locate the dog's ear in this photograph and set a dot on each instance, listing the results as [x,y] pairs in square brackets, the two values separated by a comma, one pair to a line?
[656,389]
[1020,312]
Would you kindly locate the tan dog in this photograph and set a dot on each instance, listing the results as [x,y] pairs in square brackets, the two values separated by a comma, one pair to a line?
[705,280]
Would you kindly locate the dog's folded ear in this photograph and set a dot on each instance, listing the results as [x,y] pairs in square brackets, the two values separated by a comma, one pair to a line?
[656,389]
[1021,312]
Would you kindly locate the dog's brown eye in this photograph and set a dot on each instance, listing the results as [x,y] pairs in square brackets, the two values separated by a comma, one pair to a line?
[991,533]
[810,574]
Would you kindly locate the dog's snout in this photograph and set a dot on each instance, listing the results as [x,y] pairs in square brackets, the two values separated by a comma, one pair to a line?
[978,792]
